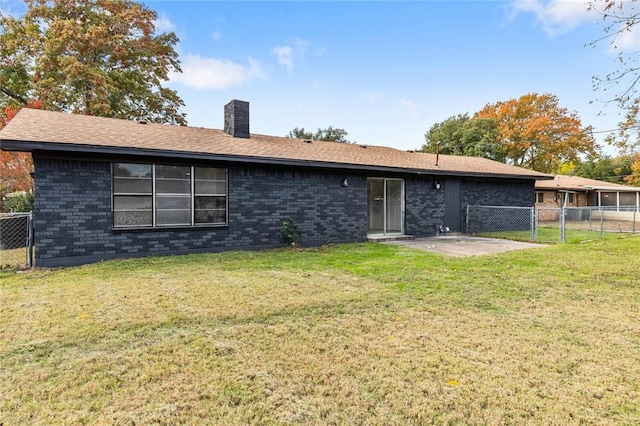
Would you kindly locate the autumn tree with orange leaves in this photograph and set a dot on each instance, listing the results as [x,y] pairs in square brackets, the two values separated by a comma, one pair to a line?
[535,132]
[15,167]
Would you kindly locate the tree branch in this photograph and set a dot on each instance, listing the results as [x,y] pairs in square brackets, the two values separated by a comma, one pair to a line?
[13,95]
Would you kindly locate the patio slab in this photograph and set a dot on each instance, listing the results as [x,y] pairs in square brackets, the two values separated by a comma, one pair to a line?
[462,245]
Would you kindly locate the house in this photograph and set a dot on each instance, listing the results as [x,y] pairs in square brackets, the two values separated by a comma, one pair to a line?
[575,191]
[109,188]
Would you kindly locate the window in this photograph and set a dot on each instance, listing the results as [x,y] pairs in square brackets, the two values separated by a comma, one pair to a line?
[539,197]
[146,195]
[569,197]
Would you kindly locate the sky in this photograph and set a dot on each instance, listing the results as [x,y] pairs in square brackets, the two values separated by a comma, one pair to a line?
[385,71]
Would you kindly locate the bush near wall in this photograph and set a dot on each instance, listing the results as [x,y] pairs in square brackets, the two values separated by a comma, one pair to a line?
[18,202]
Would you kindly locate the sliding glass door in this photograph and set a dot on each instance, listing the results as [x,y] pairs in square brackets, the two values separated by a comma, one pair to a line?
[386,206]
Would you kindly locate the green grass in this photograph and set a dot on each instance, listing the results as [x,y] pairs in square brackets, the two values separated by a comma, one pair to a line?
[551,235]
[349,334]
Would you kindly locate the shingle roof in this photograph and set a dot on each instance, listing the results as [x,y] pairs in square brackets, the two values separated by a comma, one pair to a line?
[32,130]
[573,183]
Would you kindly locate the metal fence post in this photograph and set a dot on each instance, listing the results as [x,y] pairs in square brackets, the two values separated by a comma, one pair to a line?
[466,220]
[562,225]
[601,222]
[30,242]
[533,224]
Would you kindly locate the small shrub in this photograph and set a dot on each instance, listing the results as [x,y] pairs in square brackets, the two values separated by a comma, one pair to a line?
[17,202]
[290,233]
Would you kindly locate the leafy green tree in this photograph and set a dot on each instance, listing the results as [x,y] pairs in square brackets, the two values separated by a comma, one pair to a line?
[462,135]
[96,57]
[330,134]
[605,168]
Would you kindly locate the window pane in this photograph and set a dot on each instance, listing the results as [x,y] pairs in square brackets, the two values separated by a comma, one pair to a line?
[164,186]
[210,210]
[209,173]
[124,202]
[132,170]
[132,211]
[132,218]
[210,187]
[218,217]
[164,202]
[131,186]
[173,172]
[205,203]
[173,217]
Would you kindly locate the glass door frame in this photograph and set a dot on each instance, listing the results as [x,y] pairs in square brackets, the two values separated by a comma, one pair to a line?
[385,225]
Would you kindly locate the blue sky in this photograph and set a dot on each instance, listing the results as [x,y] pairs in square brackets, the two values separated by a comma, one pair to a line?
[384,71]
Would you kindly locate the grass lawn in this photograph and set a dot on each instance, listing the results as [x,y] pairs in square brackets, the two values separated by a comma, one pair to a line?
[360,334]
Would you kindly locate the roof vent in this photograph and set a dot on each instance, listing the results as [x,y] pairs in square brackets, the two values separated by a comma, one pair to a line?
[363,146]
[308,140]
[142,121]
[236,119]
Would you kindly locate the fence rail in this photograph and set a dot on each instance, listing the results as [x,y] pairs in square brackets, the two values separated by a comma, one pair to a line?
[16,240]
[551,224]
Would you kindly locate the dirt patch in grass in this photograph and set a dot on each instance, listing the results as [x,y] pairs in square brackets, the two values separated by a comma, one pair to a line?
[357,334]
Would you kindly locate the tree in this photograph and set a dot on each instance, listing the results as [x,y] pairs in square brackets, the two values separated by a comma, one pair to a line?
[15,167]
[95,57]
[605,168]
[618,21]
[330,134]
[461,135]
[536,133]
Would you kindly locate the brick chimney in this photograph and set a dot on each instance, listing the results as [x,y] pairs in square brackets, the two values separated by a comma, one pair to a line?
[236,119]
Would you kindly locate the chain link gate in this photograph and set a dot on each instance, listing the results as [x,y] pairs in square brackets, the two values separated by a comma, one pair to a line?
[16,240]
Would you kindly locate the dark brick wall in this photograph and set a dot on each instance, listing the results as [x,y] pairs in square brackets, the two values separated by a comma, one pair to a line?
[73,219]
[424,207]
[497,193]
[74,224]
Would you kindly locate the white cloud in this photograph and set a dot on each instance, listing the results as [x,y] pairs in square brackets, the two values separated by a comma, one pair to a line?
[213,73]
[556,16]
[284,55]
[289,53]
[164,24]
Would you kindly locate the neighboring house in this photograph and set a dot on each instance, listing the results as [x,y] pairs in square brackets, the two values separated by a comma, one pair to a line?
[575,191]
[109,188]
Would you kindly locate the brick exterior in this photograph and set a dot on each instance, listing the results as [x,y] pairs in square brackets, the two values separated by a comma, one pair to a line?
[236,119]
[73,219]
[424,207]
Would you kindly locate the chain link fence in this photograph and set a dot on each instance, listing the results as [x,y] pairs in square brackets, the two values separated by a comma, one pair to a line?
[499,219]
[551,224]
[16,240]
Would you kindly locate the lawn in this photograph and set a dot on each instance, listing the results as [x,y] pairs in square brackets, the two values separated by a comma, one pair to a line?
[359,334]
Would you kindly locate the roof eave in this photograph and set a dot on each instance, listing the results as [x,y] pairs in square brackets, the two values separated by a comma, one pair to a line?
[24,146]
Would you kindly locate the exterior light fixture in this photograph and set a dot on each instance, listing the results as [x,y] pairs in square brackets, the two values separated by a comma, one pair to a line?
[345,182]
[436,184]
